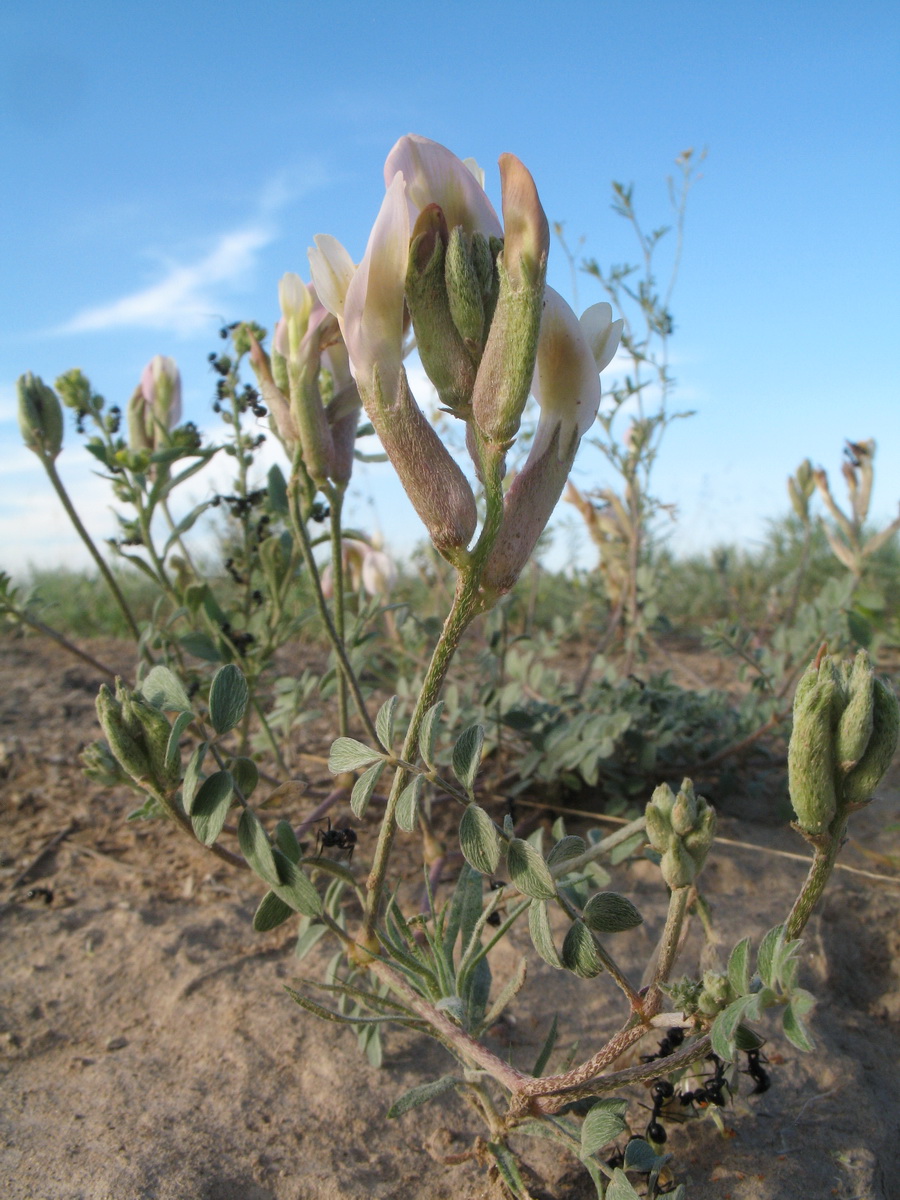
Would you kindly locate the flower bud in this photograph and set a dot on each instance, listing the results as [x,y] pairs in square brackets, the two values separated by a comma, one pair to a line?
[161,389]
[156,731]
[507,367]
[465,287]
[276,401]
[811,766]
[659,828]
[681,828]
[698,842]
[100,765]
[860,784]
[447,361]
[75,391]
[127,749]
[855,725]
[716,993]
[684,810]
[40,416]
[677,866]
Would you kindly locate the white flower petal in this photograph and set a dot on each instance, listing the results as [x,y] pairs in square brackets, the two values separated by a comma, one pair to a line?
[332,269]
[372,321]
[434,175]
[566,382]
[602,333]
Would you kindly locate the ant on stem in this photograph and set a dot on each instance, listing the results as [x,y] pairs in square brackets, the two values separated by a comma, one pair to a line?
[711,1091]
[667,1046]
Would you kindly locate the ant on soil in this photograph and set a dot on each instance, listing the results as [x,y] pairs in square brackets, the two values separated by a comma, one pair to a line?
[342,839]
[40,893]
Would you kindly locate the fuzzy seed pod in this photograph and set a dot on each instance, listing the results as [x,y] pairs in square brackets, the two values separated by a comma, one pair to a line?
[156,730]
[811,749]
[684,810]
[677,866]
[464,291]
[126,748]
[855,726]
[441,344]
[700,839]
[40,416]
[659,829]
[862,781]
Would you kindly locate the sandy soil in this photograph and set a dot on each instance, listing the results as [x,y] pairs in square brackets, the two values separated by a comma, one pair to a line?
[149,1051]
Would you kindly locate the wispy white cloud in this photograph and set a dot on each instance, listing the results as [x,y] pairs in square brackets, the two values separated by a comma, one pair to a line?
[184,300]
[190,293]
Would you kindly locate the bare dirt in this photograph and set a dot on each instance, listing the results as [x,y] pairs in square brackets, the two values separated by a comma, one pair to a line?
[149,1051]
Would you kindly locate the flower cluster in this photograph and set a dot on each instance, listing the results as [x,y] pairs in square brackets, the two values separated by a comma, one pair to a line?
[489,333]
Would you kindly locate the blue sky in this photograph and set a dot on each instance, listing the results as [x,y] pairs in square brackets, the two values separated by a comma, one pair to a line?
[166,164]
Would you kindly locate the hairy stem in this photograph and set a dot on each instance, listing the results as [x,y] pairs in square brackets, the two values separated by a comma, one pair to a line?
[110,579]
[826,850]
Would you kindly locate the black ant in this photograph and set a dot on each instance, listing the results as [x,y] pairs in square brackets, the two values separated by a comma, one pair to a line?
[662,1091]
[342,839]
[761,1079]
[667,1046]
[712,1090]
[40,893]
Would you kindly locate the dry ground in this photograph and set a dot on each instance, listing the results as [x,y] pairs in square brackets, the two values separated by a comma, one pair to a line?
[149,1051]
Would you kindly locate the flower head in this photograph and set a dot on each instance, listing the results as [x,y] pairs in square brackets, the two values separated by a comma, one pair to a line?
[488,333]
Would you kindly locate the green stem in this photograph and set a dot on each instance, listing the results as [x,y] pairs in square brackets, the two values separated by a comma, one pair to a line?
[466,605]
[827,848]
[59,487]
[668,946]
[336,499]
[269,735]
[634,998]
[299,527]
[50,632]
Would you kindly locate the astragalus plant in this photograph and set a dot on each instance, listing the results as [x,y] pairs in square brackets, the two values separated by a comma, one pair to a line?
[442,267]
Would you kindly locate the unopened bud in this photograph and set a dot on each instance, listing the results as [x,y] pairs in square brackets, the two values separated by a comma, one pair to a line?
[855,726]
[507,367]
[465,290]
[860,784]
[40,416]
[447,361]
[677,866]
[100,765]
[126,748]
[75,390]
[811,751]
[156,732]
[161,388]
[684,810]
